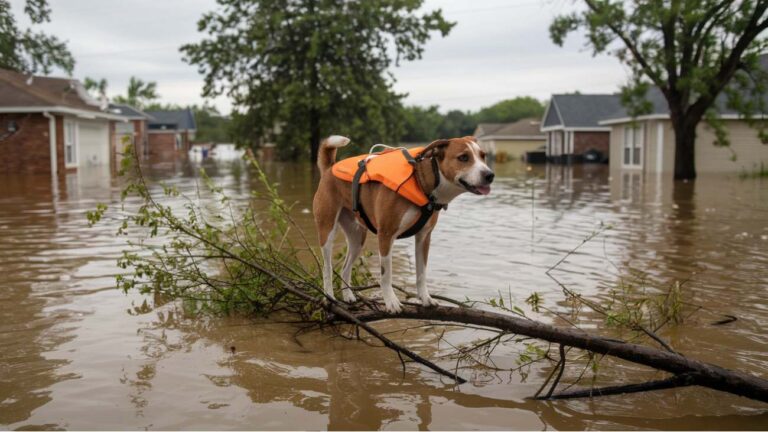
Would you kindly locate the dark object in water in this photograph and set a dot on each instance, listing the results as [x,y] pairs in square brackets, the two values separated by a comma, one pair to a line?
[594,156]
[728,319]
[536,157]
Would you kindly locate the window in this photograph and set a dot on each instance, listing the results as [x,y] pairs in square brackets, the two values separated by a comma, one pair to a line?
[70,143]
[633,145]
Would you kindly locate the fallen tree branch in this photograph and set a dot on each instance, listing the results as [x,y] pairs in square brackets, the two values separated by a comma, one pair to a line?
[682,380]
[703,374]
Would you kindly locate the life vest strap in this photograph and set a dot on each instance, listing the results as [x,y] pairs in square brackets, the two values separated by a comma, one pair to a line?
[426,210]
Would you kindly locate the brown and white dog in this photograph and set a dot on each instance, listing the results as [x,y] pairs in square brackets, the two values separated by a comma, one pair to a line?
[462,168]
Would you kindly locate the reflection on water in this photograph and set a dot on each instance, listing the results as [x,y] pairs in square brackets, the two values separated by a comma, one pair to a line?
[76,353]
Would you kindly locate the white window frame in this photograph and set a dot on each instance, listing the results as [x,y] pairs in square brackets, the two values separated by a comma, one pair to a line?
[633,139]
[70,141]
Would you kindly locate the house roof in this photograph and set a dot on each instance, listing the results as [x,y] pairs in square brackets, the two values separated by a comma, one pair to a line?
[660,108]
[182,119]
[524,128]
[25,93]
[21,90]
[579,110]
[128,111]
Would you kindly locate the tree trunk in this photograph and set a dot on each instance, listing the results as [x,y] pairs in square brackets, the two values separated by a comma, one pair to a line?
[701,373]
[685,148]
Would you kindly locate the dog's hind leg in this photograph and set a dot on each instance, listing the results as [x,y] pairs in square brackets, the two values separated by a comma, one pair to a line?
[326,230]
[355,234]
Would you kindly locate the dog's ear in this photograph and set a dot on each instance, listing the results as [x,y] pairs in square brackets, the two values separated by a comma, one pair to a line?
[470,138]
[436,148]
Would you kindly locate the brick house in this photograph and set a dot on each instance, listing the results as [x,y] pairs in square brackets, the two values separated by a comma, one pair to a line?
[51,125]
[171,132]
[572,125]
[134,131]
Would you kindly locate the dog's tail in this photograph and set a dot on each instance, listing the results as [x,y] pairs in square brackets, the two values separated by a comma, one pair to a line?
[327,155]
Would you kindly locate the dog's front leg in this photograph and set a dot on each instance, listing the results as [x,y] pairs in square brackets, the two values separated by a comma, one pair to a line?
[391,303]
[422,254]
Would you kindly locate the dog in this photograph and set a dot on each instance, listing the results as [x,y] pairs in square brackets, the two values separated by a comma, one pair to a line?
[445,169]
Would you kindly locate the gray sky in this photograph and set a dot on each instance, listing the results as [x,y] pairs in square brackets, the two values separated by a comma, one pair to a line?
[498,49]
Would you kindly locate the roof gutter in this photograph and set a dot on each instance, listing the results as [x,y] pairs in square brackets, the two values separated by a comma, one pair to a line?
[52,139]
[86,114]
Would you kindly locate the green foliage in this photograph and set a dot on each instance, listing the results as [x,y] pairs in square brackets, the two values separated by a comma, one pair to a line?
[28,51]
[511,110]
[691,50]
[139,93]
[98,86]
[308,68]
[428,124]
[636,303]
[421,124]
[217,257]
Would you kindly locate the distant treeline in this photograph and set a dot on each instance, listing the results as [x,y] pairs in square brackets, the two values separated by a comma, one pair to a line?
[427,124]
[420,124]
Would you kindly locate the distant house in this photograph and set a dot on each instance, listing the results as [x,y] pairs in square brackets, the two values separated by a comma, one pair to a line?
[171,132]
[51,125]
[133,131]
[571,124]
[510,140]
[647,142]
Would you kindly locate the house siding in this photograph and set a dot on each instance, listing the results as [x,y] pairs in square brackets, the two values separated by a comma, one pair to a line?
[745,145]
[516,149]
[28,150]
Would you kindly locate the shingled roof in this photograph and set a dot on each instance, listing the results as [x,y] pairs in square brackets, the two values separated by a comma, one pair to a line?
[580,110]
[21,90]
[129,112]
[182,119]
[24,93]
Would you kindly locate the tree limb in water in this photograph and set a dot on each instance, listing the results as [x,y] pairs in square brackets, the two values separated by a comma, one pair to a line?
[703,374]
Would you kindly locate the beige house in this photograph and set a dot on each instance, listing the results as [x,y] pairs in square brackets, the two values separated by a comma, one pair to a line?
[646,143]
[510,141]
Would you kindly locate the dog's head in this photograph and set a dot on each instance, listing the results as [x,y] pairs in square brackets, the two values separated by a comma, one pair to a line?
[462,162]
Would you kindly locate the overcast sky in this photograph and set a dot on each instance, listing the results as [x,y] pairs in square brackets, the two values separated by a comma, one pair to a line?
[498,49]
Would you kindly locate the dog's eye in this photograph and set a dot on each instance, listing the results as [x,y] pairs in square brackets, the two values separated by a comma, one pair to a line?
[463,158]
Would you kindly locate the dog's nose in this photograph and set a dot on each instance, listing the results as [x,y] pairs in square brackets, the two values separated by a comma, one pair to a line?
[489,177]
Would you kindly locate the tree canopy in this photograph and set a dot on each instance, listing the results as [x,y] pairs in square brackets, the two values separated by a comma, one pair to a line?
[308,68]
[28,51]
[139,93]
[691,50]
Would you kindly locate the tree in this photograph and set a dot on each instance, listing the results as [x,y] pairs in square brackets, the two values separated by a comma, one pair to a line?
[510,110]
[311,67]
[689,49]
[94,85]
[139,93]
[456,123]
[27,51]
[421,124]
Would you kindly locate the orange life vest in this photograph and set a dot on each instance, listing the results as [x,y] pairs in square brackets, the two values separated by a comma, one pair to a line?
[393,168]
[390,168]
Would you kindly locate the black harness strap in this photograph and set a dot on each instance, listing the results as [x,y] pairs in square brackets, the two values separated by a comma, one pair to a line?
[427,210]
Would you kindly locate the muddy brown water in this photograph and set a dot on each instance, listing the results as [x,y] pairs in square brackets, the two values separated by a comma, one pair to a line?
[76,353]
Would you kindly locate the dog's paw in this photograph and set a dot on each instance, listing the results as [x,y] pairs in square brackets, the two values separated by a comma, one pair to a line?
[349,296]
[392,305]
[428,301]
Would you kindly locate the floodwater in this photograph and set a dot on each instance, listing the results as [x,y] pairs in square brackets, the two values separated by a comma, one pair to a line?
[76,353]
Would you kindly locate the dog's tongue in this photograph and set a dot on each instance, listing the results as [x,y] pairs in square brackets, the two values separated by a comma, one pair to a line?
[484,190]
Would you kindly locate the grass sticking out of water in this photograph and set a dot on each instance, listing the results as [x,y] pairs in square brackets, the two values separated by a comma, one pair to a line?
[761,172]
